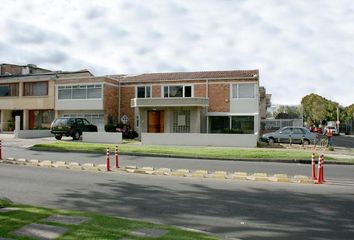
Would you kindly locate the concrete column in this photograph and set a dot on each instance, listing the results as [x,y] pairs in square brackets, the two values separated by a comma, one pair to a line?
[25,119]
[56,114]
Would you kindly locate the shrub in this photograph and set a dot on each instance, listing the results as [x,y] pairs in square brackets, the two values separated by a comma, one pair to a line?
[110,128]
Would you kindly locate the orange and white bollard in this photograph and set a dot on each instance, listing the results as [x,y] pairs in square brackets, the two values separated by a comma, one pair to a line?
[116,156]
[107,160]
[313,165]
[320,178]
[322,169]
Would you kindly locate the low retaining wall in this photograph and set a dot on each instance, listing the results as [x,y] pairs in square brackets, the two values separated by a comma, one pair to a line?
[200,139]
[32,133]
[102,137]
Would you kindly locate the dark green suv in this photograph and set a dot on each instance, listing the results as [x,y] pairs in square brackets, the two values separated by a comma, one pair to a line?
[69,126]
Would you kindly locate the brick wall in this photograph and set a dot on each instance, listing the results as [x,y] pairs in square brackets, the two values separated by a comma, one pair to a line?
[156,91]
[110,102]
[127,93]
[13,69]
[199,90]
[218,93]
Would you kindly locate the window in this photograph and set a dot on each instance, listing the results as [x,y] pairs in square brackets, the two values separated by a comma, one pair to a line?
[243,90]
[9,90]
[242,124]
[219,124]
[177,91]
[143,92]
[231,124]
[181,121]
[298,131]
[35,89]
[286,131]
[80,92]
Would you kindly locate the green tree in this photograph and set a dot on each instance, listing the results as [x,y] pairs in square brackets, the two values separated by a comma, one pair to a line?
[347,114]
[317,108]
[287,112]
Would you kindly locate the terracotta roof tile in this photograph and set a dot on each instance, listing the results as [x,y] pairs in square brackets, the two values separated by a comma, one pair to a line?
[148,77]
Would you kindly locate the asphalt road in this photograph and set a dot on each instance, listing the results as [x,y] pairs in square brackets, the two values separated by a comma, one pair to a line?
[343,141]
[230,209]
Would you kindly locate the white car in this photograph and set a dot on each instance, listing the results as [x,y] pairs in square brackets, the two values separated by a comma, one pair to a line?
[334,130]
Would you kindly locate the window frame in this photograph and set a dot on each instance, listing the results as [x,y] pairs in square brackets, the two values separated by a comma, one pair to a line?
[238,93]
[145,87]
[31,84]
[71,87]
[173,85]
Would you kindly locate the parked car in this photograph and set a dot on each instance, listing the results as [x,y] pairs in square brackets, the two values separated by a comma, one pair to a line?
[299,135]
[69,126]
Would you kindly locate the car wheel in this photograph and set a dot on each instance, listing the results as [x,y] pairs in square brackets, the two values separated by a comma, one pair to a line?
[58,136]
[306,142]
[76,135]
[271,141]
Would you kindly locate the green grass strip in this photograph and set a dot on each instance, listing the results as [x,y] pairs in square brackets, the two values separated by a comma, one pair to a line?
[98,227]
[179,151]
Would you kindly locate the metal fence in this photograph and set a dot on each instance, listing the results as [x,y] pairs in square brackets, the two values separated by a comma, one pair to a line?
[275,124]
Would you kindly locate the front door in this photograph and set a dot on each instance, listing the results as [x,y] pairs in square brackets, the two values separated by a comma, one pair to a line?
[156,121]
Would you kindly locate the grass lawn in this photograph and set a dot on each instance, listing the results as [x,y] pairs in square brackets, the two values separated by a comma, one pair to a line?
[98,227]
[197,152]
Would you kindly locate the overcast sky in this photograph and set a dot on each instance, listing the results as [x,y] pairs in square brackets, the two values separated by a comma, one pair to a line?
[299,46]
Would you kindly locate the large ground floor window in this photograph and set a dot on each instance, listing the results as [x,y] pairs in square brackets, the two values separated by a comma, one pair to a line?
[231,124]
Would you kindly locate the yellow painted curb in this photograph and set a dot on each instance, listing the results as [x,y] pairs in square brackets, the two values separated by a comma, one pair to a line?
[239,175]
[21,161]
[33,162]
[145,170]
[219,175]
[75,166]
[200,174]
[89,167]
[60,164]
[180,173]
[162,171]
[46,163]
[302,179]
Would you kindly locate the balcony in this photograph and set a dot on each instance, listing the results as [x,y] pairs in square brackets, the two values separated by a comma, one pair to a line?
[169,102]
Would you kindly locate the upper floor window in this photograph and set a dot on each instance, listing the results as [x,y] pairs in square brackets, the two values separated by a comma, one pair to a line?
[177,91]
[9,90]
[244,90]
[35,88]
[143,92]
[80,92]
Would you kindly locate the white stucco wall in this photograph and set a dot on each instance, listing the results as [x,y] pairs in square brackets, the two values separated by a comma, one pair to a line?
[32,133]
[74,104]
[102,137]
[197,139]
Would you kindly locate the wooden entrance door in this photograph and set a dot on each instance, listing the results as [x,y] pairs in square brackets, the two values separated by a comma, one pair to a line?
[156,121]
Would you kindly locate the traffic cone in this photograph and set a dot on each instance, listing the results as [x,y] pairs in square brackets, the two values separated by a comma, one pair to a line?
[313,165]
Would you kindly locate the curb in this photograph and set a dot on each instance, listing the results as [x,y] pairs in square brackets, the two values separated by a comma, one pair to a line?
[197,174]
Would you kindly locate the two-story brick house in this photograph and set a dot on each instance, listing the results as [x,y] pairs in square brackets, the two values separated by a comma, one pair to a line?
[191,102]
